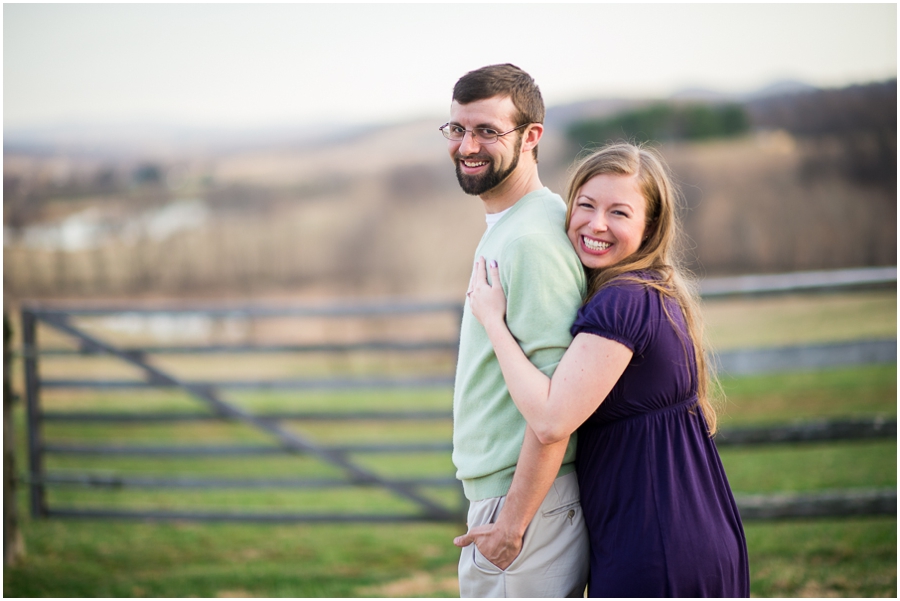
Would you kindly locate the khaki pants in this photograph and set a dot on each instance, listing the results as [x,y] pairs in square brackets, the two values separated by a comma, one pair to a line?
[554,557]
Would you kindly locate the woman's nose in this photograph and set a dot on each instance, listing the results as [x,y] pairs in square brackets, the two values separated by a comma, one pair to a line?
[598,223]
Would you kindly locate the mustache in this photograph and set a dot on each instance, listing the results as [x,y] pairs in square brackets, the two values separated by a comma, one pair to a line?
[471,157]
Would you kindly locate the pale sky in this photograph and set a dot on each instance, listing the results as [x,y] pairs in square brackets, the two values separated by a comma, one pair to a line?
[241,65]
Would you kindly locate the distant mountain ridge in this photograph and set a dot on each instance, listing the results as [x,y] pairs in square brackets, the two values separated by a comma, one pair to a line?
[778,88]
[561,115]
[110,140]
[113,141]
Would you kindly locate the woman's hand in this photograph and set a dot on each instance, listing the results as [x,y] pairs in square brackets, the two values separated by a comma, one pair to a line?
[487,301]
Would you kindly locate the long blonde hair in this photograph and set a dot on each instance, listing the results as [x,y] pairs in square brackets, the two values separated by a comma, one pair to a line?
[658,253]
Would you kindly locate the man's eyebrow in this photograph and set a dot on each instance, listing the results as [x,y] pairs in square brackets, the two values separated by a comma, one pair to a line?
[480,125]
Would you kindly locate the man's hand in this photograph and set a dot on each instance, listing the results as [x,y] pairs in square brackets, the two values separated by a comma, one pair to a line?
[500,547]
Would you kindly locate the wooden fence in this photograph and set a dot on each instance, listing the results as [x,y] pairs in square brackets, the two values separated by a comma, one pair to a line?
[214,406]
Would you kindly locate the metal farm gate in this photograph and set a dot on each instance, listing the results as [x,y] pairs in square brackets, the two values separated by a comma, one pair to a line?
[214,406]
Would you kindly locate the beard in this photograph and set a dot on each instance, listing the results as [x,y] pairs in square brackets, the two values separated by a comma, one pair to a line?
[477,185]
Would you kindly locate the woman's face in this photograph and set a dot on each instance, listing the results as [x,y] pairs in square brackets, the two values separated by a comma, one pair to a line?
[608,220]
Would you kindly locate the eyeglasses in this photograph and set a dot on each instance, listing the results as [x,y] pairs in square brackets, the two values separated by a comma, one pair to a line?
[483,135]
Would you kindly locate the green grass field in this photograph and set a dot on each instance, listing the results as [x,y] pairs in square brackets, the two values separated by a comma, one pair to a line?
[100,558]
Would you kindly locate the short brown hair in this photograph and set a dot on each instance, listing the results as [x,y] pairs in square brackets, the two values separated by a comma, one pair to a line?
[503,80]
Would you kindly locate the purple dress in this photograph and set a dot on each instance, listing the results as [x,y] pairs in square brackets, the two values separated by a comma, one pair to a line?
[660,514]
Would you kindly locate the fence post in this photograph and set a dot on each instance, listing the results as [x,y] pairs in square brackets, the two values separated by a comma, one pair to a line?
[13,543]
[32,403]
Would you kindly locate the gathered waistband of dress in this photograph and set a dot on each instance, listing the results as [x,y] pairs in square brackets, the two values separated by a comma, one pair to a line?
[693,400]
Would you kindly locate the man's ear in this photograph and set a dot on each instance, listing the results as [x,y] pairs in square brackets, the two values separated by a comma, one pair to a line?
[532,136]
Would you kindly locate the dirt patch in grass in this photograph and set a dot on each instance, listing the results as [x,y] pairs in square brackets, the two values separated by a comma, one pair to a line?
[419,584]
[817,590]
[237,594]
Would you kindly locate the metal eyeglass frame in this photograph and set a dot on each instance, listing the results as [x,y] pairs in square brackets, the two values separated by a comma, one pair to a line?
[472,131]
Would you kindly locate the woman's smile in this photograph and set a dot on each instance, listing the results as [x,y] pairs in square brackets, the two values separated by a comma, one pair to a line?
[592,245]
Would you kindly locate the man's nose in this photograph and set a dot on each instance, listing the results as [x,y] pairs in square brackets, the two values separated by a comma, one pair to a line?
[469,145]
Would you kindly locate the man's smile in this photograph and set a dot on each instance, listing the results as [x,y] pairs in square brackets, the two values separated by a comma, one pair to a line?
[473,161]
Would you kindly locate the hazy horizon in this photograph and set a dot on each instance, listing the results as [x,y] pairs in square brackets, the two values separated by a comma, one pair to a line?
[142,137]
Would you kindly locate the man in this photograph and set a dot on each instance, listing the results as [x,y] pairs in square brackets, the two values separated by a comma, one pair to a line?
[526,533]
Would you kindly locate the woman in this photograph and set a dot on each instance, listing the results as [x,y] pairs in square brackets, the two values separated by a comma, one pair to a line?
[661,517]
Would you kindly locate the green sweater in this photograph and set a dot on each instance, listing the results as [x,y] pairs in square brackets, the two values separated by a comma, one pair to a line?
[544,284]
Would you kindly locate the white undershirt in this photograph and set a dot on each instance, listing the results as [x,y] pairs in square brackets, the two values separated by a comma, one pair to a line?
[493,218]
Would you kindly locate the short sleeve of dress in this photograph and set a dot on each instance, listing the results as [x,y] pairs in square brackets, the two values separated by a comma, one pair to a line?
[622,311]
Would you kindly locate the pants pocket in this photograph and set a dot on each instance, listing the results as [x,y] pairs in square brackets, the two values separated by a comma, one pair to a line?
[483,564]
[569,508]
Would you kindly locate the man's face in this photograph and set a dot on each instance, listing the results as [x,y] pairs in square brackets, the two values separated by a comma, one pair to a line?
[482,167]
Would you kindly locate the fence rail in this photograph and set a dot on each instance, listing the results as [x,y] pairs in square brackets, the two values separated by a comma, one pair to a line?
[838,503]
[740,362]
[217,408]
[817,431]
[746,362]
[799,281]
[810,431]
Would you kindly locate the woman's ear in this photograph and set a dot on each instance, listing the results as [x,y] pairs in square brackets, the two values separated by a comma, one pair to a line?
[649,230]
